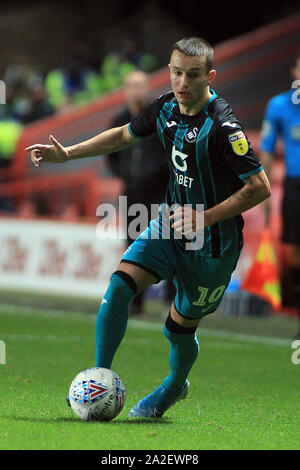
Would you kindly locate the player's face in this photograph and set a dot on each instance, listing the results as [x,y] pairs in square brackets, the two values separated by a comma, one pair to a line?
[189,78]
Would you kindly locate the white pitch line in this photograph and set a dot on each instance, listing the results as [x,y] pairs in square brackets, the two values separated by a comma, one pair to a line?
[218,334]
[145,325]
[20,337]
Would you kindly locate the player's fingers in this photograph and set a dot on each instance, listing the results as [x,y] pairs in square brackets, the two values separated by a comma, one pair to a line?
[183,219]
[177,213]
[188,229]
[36,157]
[190,235]
[32,147]
[37,147]
[56,143]
[178,225]
[34,154]
[35,162]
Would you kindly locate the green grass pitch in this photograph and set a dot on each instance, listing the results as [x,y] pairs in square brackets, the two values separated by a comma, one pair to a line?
[244,393]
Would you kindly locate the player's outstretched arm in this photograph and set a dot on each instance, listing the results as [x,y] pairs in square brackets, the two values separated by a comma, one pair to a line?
[109,141]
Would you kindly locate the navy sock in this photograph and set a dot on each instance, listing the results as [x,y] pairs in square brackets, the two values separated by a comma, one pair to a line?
[112,317]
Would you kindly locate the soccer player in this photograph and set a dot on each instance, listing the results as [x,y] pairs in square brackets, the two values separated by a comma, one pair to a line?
[211,163]
[282,118]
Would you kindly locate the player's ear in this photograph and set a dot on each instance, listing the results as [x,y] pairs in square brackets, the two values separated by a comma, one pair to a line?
[211,76]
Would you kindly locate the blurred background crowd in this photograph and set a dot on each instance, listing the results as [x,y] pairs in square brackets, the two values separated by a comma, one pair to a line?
[56,56]
[32,95]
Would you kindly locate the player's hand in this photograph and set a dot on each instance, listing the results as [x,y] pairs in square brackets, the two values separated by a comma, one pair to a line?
[55,153]
[187,221]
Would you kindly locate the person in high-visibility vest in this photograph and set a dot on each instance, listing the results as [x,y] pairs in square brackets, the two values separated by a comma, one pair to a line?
[10,131]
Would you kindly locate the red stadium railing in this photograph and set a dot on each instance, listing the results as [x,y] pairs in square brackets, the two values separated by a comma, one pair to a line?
[82,190]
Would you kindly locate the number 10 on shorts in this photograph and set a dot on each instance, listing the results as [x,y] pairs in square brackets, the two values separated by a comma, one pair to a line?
[215,295]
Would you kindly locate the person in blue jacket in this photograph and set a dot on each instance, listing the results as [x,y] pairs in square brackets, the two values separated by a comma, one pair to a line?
[282,119]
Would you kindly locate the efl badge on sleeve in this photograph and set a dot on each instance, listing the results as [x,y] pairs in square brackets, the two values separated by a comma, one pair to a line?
[239,142]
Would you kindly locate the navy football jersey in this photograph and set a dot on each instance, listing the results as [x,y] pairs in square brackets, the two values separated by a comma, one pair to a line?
[208,156]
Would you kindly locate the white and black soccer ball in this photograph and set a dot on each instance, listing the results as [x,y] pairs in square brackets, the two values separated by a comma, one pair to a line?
[97,394]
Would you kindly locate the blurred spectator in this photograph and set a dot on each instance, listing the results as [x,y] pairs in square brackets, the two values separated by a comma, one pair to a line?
[83,79]
[31,96]
[143,168]
[282,118]
[39,106]
[26,96]
[129,52]
[9,134]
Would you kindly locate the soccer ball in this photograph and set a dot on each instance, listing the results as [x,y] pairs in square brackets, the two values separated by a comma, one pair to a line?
[97,394]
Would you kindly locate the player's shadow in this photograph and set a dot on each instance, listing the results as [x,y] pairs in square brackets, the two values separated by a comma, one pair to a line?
[62,419]
[45,420]
[141,421]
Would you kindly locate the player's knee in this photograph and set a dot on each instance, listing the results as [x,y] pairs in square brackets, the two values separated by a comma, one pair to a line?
[122,283]
[173,328]
[142,277]
[181,320]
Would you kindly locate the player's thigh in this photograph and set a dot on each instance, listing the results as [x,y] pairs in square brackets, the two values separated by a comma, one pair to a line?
[149,259]
[201,283]
[182,321]
[142,278]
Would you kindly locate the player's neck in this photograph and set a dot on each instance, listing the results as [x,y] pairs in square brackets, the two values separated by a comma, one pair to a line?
[196,107]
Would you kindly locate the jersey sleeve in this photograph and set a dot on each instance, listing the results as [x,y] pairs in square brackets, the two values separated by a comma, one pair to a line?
[235,147]
[145,123]
[271,126]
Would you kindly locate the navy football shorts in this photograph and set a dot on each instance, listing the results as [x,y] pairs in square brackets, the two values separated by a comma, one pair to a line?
[200,281]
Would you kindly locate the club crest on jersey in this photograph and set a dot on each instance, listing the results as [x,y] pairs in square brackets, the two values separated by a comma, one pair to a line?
[191,136]
[239,142]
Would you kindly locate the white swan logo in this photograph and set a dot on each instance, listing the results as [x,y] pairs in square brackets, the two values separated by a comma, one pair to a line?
[182,166]
[192,135]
